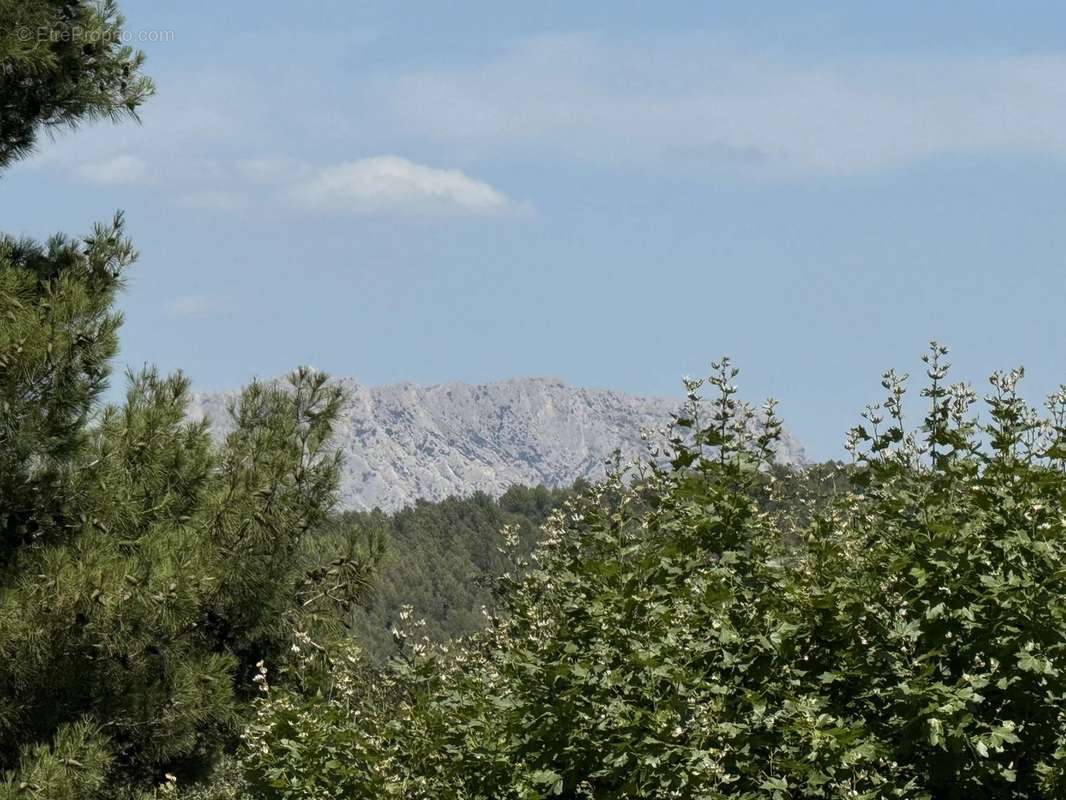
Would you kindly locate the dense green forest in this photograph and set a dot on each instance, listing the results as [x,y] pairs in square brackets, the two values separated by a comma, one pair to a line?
[443,559]
[181,618]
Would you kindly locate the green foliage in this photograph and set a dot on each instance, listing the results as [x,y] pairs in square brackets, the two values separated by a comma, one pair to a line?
[143,569]
[63,62]
[698,634]
[57,337]
[72,768]
[147,570]
[443,560]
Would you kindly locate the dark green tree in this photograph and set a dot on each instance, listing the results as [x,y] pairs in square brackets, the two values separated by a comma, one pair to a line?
[144,568]
[63,62]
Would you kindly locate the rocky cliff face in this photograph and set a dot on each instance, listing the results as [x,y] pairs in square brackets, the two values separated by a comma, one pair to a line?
[404,442]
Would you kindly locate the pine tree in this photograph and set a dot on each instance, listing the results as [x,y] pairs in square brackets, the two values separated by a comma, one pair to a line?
[63,62]
[144,569]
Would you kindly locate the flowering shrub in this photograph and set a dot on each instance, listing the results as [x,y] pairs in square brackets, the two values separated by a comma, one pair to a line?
[689,634]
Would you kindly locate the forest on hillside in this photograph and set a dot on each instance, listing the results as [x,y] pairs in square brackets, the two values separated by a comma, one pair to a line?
[187,618]
[442,560]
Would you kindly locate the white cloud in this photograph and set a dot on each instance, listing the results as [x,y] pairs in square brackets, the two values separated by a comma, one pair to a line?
[388,185]
[120,169]
[393,185]
[199,305]
[660,100]
[701,99]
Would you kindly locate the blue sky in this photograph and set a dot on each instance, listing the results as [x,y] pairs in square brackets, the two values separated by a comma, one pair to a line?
[609,193]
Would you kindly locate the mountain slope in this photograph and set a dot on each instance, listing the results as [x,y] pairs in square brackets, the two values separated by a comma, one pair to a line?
[405,442]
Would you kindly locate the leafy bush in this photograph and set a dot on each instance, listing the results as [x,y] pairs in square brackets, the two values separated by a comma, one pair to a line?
[693,635]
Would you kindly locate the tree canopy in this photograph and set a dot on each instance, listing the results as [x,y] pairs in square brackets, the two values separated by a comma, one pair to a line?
[63,62]
[144,569]
[707,632]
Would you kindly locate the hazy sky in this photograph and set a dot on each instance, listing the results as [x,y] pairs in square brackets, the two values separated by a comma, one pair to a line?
[609,193]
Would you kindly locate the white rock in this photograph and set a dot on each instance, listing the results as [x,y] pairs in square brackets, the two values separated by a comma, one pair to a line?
[405,442]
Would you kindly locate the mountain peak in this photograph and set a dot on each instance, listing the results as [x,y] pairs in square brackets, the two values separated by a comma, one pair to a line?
[405,442]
